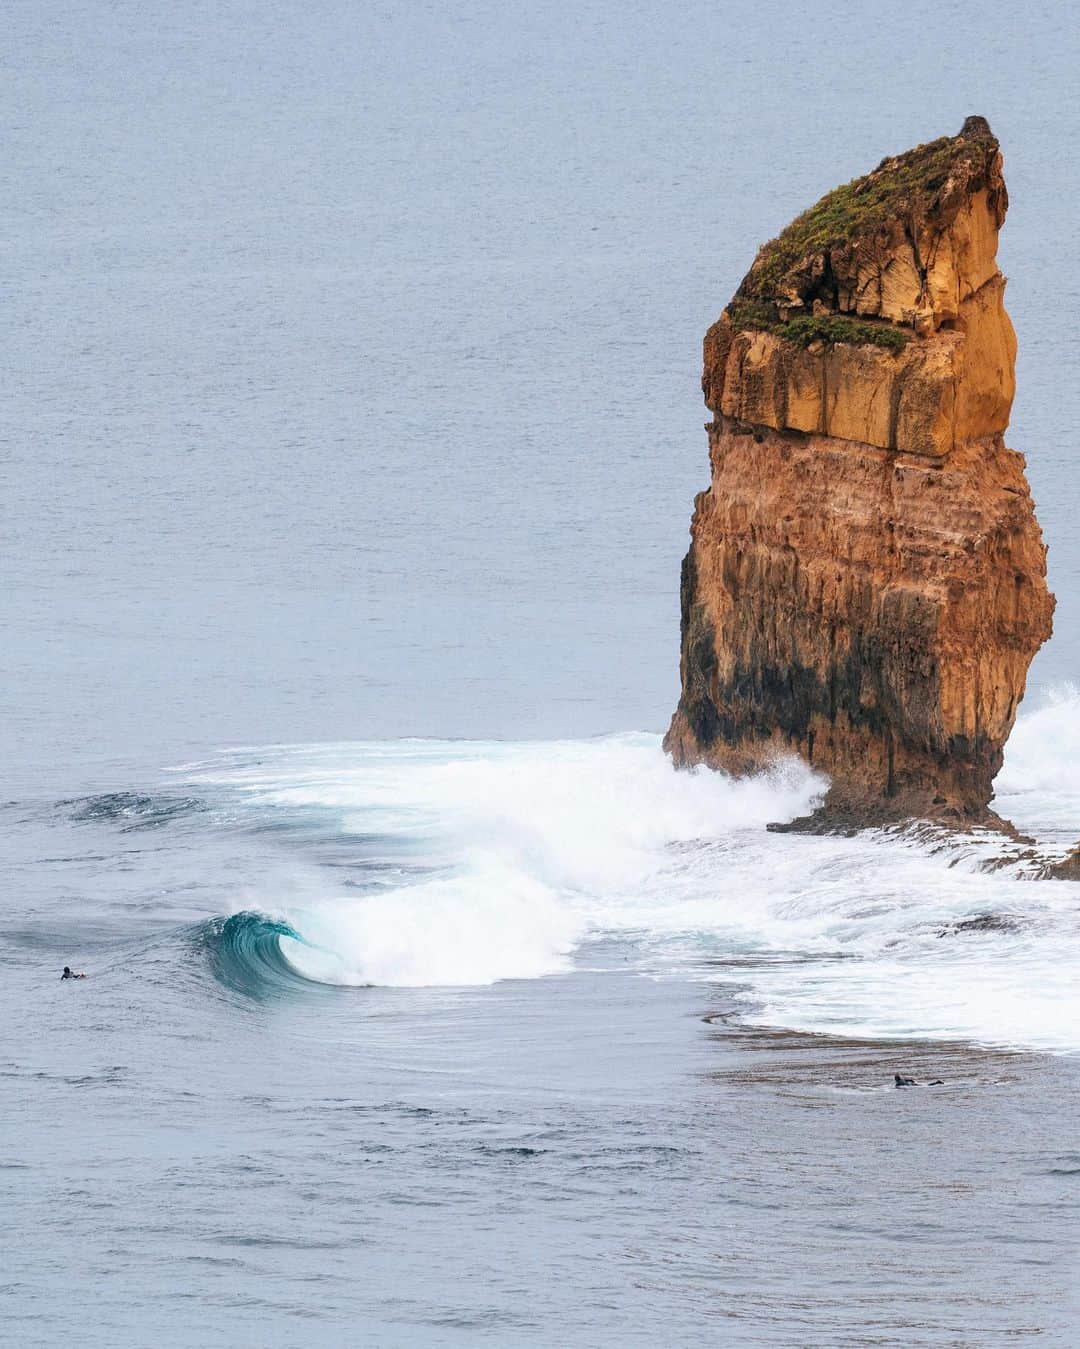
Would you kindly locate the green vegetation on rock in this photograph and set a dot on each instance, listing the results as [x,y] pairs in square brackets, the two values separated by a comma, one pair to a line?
[757,315]
[806,328]
[900,187]
[833,328]
[820,258]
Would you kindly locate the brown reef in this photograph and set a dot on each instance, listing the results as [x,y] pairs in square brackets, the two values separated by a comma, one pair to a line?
[866,580]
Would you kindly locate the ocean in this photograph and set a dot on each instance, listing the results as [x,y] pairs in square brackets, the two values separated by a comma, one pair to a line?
[350,437]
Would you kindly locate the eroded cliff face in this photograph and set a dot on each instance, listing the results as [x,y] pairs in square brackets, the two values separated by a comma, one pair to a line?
[866,580]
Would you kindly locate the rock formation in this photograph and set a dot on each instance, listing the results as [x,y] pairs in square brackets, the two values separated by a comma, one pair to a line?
[866,580]
[1069,868]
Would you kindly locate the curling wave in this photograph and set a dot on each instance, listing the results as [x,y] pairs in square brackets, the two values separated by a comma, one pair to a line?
[247,952]
[467,863]
[502,857]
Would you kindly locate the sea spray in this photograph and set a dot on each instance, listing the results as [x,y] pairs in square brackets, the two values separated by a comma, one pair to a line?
[513,857]
[1038,788]
[530,845]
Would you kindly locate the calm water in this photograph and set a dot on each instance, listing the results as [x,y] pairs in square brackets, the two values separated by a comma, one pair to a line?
[351,396]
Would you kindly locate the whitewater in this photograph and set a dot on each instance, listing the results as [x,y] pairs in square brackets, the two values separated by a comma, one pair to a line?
[473,862]
[350,436]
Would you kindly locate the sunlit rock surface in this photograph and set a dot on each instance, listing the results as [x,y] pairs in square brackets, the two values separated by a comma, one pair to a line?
[866,580]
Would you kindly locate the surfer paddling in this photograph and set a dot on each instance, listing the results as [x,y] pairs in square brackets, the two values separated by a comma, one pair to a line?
[69,973]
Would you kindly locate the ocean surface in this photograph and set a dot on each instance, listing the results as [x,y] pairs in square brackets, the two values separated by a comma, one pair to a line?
[350,434]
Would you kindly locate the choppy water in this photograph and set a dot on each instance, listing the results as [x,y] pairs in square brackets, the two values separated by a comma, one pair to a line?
[351,397]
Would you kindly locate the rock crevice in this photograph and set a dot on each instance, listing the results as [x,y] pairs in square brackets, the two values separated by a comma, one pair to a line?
[866,580]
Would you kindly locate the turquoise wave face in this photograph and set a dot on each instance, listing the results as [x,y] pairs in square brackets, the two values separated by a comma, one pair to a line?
[246,955]
[442,864]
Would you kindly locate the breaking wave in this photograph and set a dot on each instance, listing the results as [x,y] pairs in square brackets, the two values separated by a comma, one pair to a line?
[467,863]
[248,952]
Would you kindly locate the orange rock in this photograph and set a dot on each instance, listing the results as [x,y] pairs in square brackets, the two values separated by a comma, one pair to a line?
[866,581]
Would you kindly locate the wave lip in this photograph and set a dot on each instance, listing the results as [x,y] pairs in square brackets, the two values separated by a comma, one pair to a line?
[246,953]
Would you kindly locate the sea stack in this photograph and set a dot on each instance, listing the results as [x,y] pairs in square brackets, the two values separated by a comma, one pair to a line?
[866,581]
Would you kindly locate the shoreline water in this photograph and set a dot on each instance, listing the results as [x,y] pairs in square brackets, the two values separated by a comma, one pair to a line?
[210,1147]
[656,1172]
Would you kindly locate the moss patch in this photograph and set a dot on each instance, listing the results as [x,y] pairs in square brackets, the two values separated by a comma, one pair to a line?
[757,315]
[835,328]
[805,329]
[901,186]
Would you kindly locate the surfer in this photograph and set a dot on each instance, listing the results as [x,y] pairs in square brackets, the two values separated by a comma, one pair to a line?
[69,973]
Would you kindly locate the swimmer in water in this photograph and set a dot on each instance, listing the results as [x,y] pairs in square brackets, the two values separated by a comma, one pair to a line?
[69,973]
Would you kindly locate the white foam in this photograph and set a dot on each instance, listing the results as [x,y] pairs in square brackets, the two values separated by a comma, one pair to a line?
[534,841]
[485,924]
[540,846]
[1039,785]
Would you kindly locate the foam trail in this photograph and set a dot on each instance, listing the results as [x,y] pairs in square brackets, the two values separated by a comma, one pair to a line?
[532,849]
[530,840]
